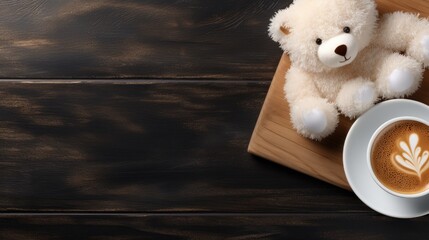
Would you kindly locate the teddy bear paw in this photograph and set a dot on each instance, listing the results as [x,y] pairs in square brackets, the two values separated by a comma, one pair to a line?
[401,81]
[356,96]
[365,96]
[425,45]
[314,121]
[314,118]
[363,99]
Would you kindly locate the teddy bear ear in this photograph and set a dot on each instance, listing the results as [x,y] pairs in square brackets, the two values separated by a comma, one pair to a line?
[285,30]
[278,28]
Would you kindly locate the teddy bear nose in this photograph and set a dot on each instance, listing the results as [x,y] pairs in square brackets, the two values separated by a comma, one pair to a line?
[341,50]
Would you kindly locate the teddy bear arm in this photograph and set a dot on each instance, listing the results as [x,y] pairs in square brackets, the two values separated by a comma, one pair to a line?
[398,76]
[299,85]
[311,115]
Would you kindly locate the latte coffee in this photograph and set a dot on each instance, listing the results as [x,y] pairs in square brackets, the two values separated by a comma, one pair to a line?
[399,157]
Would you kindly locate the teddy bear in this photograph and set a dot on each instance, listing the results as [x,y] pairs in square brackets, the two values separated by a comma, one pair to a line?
[344,58]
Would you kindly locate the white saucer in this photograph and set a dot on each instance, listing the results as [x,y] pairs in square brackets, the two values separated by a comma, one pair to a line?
[356,167]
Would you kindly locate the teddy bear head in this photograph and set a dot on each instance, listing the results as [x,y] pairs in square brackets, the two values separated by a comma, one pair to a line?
[321,35]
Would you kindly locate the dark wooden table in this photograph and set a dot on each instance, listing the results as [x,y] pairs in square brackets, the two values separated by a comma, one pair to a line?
[124,119]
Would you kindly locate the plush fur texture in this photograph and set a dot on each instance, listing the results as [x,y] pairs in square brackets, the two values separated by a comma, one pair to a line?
[346,59]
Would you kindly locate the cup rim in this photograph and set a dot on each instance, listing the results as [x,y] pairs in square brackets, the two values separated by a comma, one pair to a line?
[369,150]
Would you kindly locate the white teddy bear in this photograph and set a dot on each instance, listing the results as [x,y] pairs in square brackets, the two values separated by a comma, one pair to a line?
[343,57]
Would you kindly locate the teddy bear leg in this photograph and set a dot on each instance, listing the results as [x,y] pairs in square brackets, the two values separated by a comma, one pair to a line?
[401,31]
[356,96]
[313,117]
[398,76]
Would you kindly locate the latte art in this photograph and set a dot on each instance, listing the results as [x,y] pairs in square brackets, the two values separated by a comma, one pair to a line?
[400,157]
[412,159]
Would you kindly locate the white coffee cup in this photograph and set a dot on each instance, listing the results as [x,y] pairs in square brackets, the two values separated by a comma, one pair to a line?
[369,150]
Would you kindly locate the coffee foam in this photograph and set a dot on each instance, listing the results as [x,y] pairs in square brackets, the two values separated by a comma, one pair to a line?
[387,145]
[411,158]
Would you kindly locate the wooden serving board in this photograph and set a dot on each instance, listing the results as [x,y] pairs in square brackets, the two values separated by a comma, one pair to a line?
[274,138]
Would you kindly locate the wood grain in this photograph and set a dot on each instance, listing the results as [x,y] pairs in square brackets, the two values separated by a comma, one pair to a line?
[137,39]
[274,137]
[145,147]
[251,226]
[150,153]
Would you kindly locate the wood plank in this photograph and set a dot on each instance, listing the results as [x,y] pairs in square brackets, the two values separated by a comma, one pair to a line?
[147,147]
[137,39]
[252,226]
[275,139]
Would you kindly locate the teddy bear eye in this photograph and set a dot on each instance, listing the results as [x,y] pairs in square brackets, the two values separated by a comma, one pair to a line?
[318,41]
[346,29]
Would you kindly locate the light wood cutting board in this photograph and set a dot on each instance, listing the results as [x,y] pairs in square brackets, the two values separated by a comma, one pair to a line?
[274,138]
